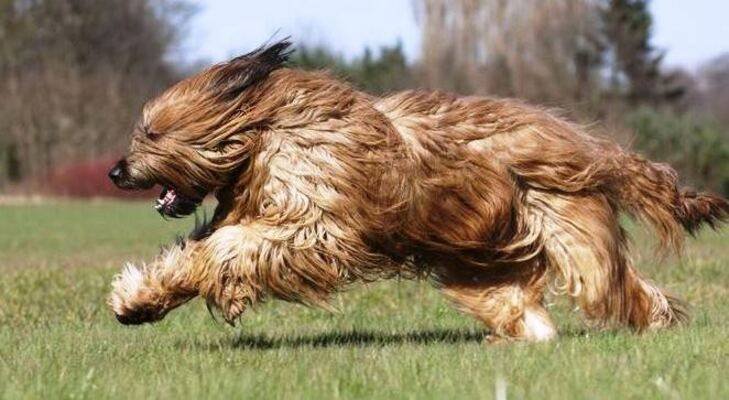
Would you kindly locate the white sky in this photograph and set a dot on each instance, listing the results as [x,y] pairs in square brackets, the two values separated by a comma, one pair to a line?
[692,31]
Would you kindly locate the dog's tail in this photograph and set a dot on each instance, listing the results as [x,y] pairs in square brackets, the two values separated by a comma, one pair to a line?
[650,192]
[554,155]
[644,189]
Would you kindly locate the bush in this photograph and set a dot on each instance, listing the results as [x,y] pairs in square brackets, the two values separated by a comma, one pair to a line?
[86,179]
[696,146]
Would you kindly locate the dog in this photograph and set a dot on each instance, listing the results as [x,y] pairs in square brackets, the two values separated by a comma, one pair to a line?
[319,185]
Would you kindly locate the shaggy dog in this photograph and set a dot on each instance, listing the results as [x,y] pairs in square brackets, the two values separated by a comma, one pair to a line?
[320,185]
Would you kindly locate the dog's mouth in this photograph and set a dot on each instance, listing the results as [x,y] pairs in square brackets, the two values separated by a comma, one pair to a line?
[172,203]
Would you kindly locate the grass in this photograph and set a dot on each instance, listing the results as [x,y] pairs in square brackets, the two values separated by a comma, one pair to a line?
[391,340]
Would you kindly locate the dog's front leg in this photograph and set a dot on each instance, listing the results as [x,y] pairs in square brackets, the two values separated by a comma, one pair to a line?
[244,264]
[235,267]
[148,293]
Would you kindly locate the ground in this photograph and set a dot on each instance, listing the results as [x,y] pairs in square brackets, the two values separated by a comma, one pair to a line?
[390,340]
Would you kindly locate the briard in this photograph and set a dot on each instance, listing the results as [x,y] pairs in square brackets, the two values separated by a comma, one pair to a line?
[320,185]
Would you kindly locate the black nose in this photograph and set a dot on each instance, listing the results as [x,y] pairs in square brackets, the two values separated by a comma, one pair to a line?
[117,171]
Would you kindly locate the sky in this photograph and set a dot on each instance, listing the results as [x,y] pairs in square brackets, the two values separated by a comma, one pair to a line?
[691,31]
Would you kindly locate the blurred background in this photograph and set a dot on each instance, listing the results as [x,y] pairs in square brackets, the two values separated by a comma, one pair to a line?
[74,74]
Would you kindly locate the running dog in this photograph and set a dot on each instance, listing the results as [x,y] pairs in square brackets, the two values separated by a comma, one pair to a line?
[320,185]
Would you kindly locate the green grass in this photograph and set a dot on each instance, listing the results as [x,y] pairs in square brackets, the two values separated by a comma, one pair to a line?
[391,340]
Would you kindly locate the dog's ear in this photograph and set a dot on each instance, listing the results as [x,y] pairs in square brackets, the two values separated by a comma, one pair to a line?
[241,72]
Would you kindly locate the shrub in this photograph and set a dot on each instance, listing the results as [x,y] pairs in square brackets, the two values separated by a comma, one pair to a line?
[696,146]
[86,179]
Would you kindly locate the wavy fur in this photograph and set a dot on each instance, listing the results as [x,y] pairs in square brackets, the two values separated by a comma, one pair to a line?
[320,185]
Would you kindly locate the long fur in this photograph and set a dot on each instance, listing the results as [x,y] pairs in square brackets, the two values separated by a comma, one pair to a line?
[320,185]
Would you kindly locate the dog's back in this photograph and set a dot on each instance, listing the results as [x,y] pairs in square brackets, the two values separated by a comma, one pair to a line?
[504,185]
[496,149]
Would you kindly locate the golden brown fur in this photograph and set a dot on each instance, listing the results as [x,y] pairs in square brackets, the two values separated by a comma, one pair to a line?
[320,185]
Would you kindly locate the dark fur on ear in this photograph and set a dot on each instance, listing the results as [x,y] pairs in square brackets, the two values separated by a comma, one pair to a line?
[243,71]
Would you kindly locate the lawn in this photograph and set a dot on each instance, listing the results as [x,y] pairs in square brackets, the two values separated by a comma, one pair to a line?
[390,340]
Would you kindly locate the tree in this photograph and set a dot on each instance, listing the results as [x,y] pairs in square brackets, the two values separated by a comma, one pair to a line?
[636,63]
[73,75]
[546,51]
[713,86]
[375,72]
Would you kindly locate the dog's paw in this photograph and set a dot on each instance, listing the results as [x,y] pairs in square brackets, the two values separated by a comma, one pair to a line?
[125,287]
[134,299]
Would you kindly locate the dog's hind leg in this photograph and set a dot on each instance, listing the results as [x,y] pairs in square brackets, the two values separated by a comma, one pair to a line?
[588,250]
[507,298]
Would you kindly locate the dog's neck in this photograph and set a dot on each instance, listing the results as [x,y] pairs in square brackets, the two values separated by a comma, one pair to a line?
[288,102]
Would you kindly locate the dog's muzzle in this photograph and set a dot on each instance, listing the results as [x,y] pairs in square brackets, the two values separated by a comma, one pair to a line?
[119,174]
[171,203]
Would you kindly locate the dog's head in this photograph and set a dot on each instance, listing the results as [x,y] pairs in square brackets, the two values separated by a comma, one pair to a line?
[193,138]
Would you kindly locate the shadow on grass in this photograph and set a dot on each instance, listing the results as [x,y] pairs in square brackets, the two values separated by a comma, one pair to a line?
[344,339]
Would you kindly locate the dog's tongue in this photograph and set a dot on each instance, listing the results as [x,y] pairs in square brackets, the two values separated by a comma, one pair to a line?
[166,198]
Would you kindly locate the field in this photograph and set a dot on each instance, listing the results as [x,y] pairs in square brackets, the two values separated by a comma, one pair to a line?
[390,340]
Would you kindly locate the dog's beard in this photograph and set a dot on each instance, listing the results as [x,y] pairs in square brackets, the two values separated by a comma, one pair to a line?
[172,203]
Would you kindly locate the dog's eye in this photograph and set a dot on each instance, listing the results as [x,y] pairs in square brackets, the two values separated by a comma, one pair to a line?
[150,134]
[222,146]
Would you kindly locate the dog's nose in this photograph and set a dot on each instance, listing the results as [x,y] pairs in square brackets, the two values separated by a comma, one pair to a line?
[117,171]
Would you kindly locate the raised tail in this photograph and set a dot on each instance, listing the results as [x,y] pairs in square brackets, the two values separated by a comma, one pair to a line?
[650,192]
